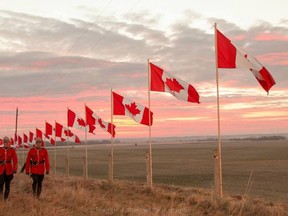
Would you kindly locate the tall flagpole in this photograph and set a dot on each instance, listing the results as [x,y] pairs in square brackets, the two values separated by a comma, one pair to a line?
[68,156]
[16,135]
[150,146]
[23,150]
[68,149]
[86,151]
[16,124]
[55,148]
[218,117]
[111,174]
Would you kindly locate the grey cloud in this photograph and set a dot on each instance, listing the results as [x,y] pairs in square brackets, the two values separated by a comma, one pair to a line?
[57,57]
[36,73]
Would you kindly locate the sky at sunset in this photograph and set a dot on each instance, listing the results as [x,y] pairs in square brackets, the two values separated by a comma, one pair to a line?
[65,54]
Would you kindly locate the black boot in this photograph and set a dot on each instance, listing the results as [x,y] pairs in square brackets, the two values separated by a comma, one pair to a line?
[6,194]
[39,189]
[34,189]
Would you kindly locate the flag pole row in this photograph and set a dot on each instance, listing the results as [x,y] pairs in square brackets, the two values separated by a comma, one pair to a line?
[227,55]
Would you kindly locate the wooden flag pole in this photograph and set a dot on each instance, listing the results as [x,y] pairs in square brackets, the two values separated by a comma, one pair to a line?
[55,150]
[218,118]
[86,151]
[111,158]
[23,150]
[68,151]
[16,134]
[16,124]
[150,145]
[68,158]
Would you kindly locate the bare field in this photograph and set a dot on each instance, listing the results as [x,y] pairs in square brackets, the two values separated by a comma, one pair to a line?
[190,165]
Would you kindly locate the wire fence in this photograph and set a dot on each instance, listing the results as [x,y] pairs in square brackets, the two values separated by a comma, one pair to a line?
[253,168]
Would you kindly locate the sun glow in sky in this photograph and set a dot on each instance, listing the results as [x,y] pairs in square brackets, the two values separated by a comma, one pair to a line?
[59,54]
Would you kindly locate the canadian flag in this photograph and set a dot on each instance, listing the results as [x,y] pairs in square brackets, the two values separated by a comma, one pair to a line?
[39,134]
[92,119]
[164,82]
[25,138]
[59,131]
[31,137]
[25,141]
[19,140]
[230,56]
[63,133]
[48,130]
[52,141]
[13,144]
[75,139]
[49,133]
[127,107]
[75,121]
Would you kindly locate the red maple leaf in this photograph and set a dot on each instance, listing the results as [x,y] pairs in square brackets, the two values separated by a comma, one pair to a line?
[81,122]
[100,123]
[68,133]
[132,108]
[77,140]
[91,128]
[174,85]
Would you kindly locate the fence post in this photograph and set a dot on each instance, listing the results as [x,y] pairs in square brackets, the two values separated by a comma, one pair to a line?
[148,179]
[216,172]
[54,170]
[84,167]
[110,166]
[67,167]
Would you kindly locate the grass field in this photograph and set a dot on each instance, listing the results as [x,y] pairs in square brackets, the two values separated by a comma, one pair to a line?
[190,165]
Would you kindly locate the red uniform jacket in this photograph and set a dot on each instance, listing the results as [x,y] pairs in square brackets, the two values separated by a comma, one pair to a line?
[7,155]
[35,161]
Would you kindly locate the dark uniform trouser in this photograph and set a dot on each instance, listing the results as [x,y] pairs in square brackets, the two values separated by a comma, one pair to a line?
[37,184]
[5,179]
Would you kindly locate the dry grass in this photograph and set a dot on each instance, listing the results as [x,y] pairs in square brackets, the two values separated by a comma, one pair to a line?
[191,165]
[98,197]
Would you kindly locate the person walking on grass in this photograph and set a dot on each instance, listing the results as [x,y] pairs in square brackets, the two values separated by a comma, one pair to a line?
[8,166]
[37,164]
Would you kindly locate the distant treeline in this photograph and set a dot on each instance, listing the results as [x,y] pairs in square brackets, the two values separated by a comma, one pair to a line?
[116,141]
[104,141]
[261,138]
[248,138]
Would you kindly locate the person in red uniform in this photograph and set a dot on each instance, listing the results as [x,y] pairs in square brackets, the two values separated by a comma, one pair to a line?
[37,164]
[8,166]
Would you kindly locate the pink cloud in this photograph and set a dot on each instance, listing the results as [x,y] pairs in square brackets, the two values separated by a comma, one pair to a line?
[240,37]
[41,64]
[239,114]
[275,58]
[271,37]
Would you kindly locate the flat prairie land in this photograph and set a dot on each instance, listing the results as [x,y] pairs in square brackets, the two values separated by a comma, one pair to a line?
[257,169]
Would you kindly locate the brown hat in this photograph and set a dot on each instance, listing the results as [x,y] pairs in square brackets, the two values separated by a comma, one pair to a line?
[6,139]
[38,140]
